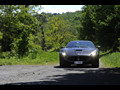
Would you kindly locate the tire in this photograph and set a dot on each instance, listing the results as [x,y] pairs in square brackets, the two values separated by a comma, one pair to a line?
[95,65]
[63,63]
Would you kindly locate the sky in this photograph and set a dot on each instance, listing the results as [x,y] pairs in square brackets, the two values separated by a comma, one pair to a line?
[60,8]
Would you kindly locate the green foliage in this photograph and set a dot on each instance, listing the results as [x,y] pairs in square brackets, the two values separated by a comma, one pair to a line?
[1,35]
[85,28]
[0,44]
[16,25]
[58,33]
[34,47]
[119,44]
[40,58]
[111,60]
[25,32]
[100,24]
[73,19]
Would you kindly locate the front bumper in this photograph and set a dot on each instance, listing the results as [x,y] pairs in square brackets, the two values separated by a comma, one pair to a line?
[86,59]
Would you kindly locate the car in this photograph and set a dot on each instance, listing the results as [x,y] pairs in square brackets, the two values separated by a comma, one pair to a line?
[79,52]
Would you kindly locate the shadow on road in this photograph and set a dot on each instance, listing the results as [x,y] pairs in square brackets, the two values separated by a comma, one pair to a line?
[80,76]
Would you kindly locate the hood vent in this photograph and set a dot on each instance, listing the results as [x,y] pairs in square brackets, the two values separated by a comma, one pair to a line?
[78,49]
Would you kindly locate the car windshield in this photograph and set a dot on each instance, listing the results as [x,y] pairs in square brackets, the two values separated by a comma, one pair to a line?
[80,44]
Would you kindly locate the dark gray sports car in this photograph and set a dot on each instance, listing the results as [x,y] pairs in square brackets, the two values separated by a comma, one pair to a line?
[79,53]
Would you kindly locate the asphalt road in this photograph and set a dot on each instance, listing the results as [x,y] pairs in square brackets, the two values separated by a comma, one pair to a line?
[54,75]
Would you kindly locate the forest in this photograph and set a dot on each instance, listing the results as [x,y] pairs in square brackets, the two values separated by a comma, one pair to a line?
[24,31]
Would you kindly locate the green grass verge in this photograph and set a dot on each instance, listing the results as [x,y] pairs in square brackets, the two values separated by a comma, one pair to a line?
[41,58]
[111,60]
[52,58]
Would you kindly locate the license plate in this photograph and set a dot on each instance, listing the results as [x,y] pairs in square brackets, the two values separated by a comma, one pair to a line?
[78,52]
[78,62]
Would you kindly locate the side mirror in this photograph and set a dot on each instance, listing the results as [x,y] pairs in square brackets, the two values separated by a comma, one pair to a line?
[62,46]
[98,46]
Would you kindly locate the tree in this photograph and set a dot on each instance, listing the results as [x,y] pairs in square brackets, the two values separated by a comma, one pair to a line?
[100,23]
[7,15]
[27,24]
[107,31]
[58,33]
[16,25]
[0,40]
[73,19]
[42,18]
[85,28]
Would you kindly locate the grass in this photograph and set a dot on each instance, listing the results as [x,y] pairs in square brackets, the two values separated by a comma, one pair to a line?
[111,60]
[41,58]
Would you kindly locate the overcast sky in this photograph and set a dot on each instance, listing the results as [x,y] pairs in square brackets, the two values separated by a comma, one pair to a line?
[60,8]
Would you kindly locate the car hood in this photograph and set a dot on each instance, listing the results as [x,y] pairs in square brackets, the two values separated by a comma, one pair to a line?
[83,51]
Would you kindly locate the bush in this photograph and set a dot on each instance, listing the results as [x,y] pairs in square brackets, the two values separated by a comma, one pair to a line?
[39,58]
[111,60]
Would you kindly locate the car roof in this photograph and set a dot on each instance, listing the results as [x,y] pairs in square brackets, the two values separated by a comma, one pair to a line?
[81,41]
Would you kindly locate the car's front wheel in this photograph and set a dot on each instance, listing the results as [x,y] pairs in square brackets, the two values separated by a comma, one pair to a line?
[95,65]
[63,63]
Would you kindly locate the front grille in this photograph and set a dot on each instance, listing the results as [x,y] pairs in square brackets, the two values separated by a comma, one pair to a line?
[79,58]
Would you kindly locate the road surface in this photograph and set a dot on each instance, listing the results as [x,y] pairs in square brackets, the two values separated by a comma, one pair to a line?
[54,75]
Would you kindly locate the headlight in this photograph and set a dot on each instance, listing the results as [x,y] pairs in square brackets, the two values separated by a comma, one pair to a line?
[94,53]
[63,53]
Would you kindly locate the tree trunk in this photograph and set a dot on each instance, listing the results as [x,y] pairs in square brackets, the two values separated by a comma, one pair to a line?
[43,39]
